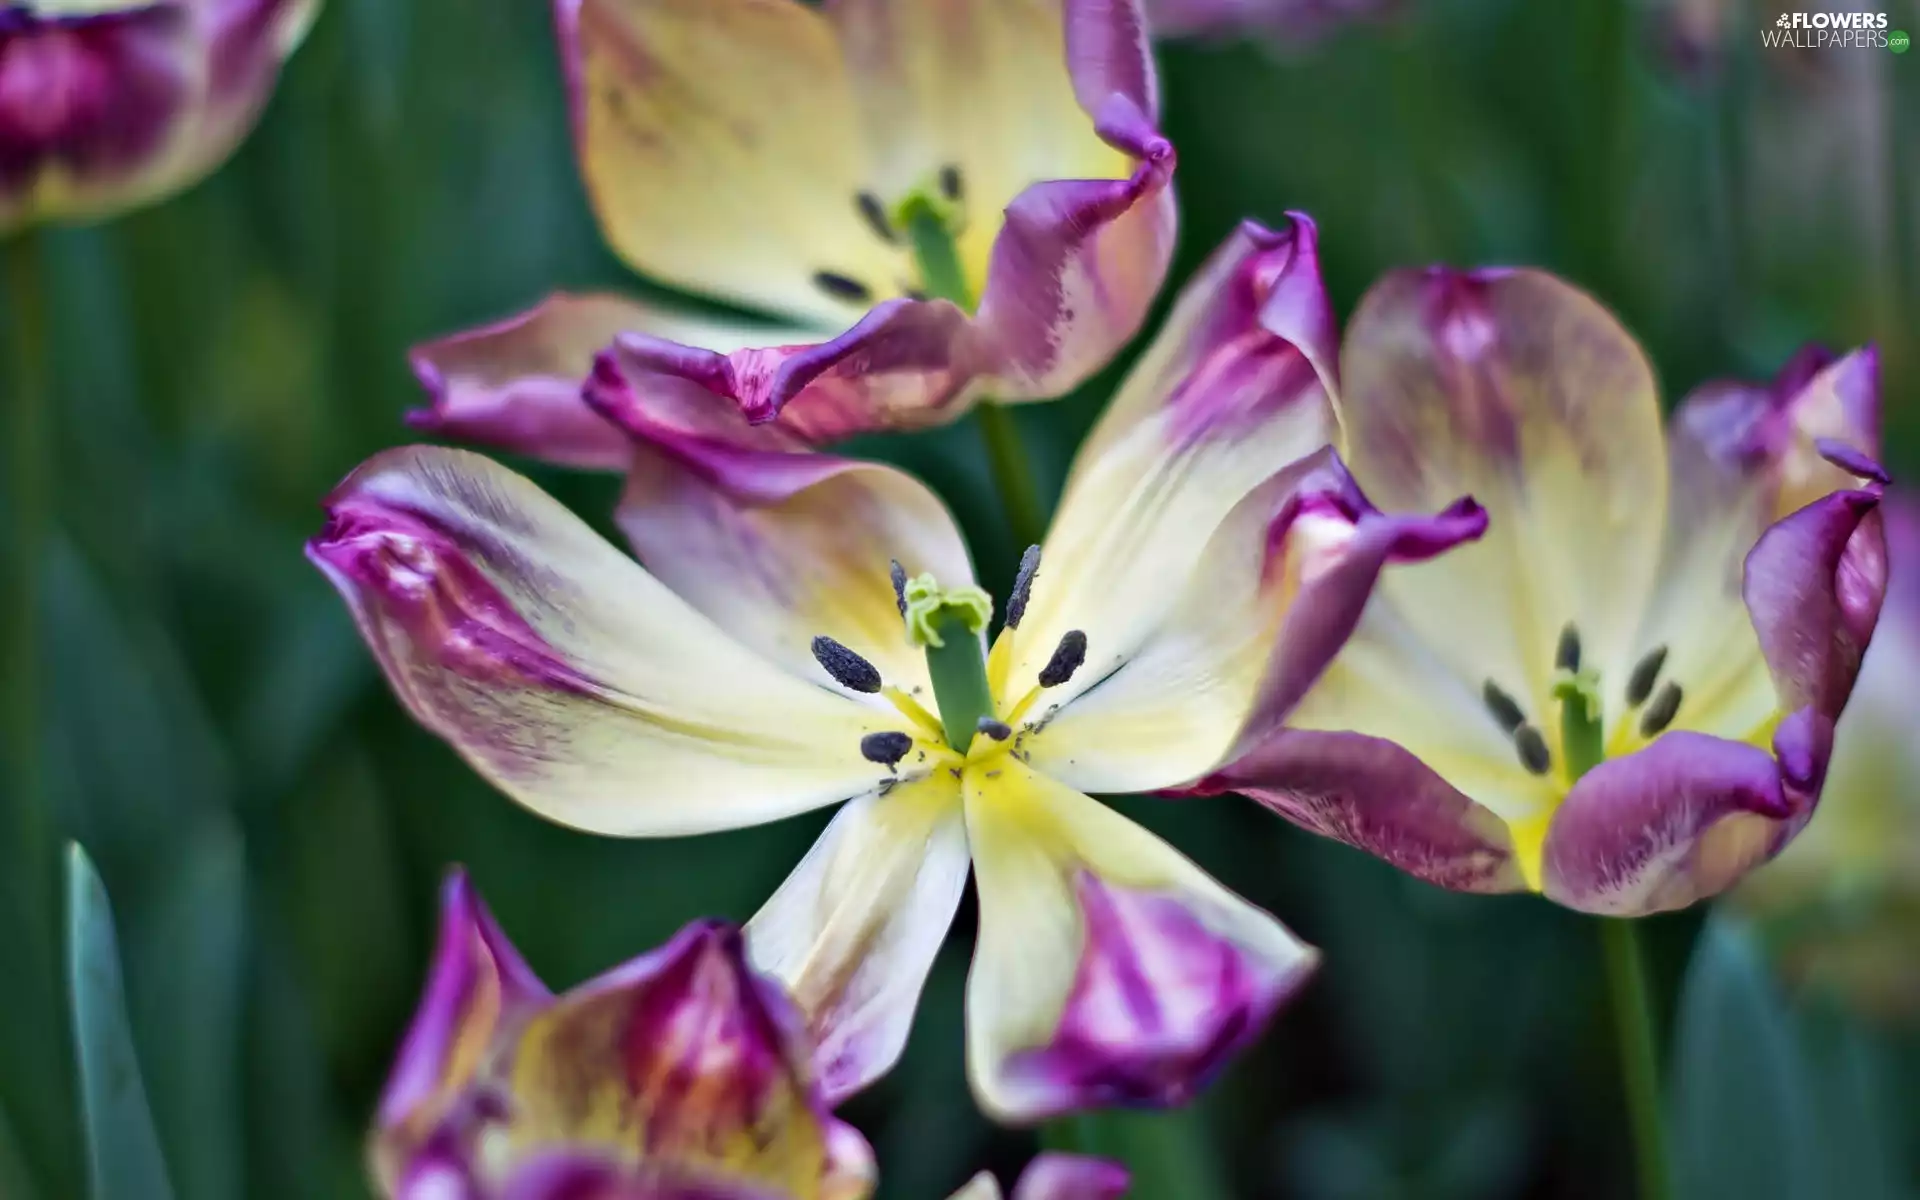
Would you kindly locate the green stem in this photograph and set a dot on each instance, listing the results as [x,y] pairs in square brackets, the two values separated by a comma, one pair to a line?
[942,277]
[1012,478]
[1639,1059]
[27,500]
[29,1064]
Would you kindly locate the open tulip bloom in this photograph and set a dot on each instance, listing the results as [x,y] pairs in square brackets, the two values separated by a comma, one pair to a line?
[1208,558]
[937,201]
[681,1075]
[1625,696]
[109,104]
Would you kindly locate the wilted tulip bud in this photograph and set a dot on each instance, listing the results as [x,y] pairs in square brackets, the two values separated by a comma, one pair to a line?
[106,105]
[681,1075]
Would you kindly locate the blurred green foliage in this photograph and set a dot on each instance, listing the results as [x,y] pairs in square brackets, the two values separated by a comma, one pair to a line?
[272,828]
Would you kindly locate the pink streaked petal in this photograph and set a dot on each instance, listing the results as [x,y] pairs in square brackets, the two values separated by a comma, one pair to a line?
[515,384]
[1814,584]
[688,1059]
[1159,1005]
[1071,1177]
[1077,265]
[1259,296]
[1664,827]
[1110,969]
[775,543]
[574,681]
[1377,797]
[582,1175]
[477,976]
[478,993]
[1110,54]
[905,365]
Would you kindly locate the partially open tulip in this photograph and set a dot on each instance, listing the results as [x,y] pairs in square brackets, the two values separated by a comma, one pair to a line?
[681,1075]
[930,203]
[1841,905]
[106,105]
[1209,557]
[1625,696]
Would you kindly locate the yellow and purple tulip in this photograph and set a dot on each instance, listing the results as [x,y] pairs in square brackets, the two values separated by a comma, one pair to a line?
[106,105]
[681,1075]
[1841,905]
[1625,696]
[932,202]
[1208,558]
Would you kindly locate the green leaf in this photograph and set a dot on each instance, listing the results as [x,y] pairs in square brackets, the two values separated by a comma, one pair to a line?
[123,1152]
[1770,1099]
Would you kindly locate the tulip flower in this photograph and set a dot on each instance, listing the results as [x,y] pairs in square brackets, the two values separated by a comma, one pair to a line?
[929,204]
[1841,905]
[1624,698]
[681,1075]
[107,105]
[1208,558]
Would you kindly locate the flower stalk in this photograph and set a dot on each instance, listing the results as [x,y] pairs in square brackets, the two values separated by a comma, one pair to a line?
[27,441]
[1639,1059]
[930,232]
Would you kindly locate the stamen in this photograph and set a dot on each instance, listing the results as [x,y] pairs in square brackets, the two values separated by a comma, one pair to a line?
[842,288]
[1646,673]
[952,186]
[1662,711]
[848,669]
[1567,655]
[999,731]
[1022,587]
[898,574]
[1067,657]
[1534,755]
[875,215]
[1504,708]
[887,749]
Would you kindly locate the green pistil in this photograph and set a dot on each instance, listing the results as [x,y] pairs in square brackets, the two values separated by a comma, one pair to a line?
[947,623]
[930,230]
[1581,743]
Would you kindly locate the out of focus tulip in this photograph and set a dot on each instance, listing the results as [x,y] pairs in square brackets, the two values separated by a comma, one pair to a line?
[106,105]
[1842,904]
[681,1075]
[1625,696]
[932,203]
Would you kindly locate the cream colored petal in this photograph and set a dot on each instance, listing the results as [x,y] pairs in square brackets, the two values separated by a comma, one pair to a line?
[1072,894]
[1523,392]
[1389,682]
[979,85]
[563,672]
[722,149]
[1196,429]
[779,548]
[854,930]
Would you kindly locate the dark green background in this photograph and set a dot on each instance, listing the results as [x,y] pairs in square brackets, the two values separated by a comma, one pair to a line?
[272,828]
